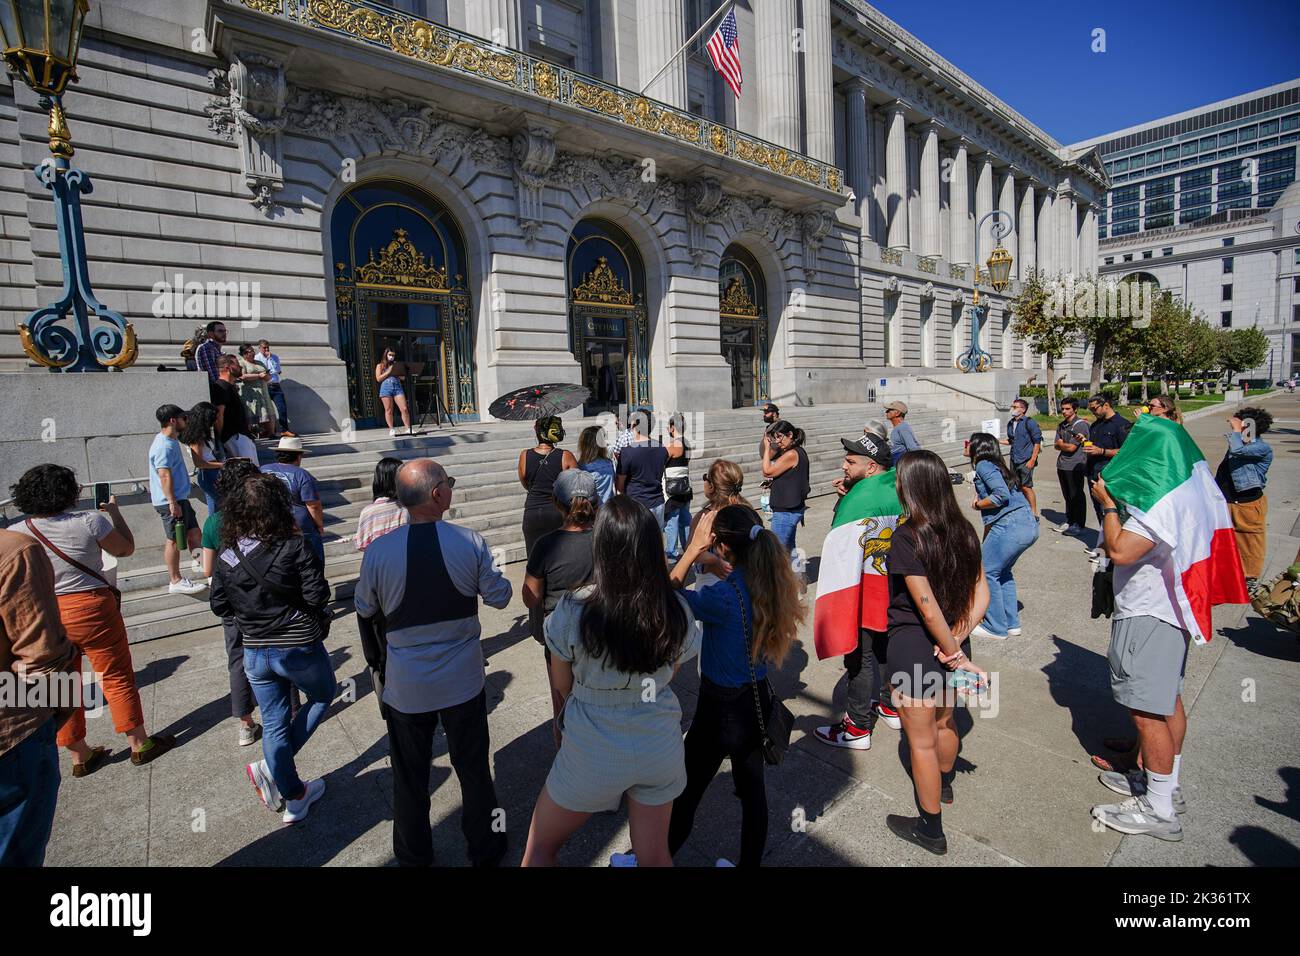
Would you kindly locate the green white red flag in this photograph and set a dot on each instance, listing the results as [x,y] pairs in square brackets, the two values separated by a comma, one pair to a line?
[1164,481]
[852,582]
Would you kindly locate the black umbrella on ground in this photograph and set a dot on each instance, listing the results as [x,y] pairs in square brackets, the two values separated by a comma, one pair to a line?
[538,401]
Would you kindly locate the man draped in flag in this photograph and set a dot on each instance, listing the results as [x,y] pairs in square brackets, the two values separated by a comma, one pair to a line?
[724,51]
[1175,558]
[853,586]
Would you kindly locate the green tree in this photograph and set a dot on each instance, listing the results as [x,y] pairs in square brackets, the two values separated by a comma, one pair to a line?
[1044,318]
[1241,350]
[1105,324]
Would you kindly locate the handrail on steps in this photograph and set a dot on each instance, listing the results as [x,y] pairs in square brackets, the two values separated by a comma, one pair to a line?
[978,398]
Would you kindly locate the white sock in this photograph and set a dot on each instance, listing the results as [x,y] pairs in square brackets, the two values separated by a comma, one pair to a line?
[1178,764]
[1160,793]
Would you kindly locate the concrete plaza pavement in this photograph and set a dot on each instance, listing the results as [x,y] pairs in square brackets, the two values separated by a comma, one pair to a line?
[1022,794]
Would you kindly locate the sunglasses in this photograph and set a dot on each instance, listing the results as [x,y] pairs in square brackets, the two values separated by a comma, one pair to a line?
[449,481]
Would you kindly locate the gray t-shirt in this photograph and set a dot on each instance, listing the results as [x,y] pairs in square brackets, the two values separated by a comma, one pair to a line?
[77,534]
[1072,434]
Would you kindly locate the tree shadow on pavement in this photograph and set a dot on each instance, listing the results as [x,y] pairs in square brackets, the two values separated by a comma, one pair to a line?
[1264,848]
[1261,636]
[1079,681]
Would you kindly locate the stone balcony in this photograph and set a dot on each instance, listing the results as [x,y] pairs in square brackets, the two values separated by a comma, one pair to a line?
[498,82]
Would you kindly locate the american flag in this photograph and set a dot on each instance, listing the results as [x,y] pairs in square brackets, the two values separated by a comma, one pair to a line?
[724,51]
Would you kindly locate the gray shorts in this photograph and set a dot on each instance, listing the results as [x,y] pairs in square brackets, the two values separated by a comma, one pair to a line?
[1025,474]
[1147,658]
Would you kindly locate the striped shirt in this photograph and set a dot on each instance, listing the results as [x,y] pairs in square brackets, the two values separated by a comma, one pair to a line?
[206,355]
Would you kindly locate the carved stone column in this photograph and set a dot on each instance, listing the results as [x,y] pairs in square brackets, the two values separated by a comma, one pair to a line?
[858,126]
[983,206]
[778,79]
[497,21]
[1007,203]
[1028,255]
[929,189]
[959,205]
[1047,233]
[660,33]
[896,176]
[819,97]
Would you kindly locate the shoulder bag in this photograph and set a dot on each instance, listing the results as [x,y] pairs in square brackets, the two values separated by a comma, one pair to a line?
[775,729]
[117,595]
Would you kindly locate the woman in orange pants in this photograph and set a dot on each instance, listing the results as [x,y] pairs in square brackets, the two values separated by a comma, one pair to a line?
[88,605]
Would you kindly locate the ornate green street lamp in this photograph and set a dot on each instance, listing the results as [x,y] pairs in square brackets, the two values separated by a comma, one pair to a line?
[975,359]
[41,39]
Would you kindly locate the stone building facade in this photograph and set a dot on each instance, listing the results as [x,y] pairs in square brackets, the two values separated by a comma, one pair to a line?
[482,186]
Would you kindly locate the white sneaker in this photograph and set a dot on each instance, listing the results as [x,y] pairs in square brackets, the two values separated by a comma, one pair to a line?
[1061,528]
[248,733]
[392,433]
[186,586]
[979,630]
[1013,632]
[1135,816]
[259,775]
[622,859]
[296,810]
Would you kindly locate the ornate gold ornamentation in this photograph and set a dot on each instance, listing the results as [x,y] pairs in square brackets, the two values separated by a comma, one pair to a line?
[736,301]
[892,256]
[401,264]
[546,81]
[602,286]
[130,350]
[35,354]
[957,272]
[928,264]
[430,43]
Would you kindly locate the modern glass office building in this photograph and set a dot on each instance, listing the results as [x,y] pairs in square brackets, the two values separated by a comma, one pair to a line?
[1235,154]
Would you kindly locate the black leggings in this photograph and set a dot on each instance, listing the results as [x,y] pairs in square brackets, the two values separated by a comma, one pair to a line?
[725,725]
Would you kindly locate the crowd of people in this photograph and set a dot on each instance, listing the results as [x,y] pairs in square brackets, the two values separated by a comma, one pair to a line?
[624,586]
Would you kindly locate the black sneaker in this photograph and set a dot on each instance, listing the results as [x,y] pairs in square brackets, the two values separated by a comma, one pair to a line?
[909,829]
[945,793]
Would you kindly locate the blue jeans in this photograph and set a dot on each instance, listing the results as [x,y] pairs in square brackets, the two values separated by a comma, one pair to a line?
[784,524]
[208,482]
[281,409]
[273,672]
[29,790]
[658,512]
[1008,538]
[677,528]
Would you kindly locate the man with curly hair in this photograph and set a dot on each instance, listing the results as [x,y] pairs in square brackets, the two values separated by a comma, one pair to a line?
[1241,477]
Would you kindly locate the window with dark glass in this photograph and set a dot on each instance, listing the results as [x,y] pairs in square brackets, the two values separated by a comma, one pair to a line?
[1225,320]
[1227,292]
[1227,265]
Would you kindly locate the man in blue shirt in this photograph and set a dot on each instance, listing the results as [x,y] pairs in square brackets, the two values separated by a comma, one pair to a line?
[640,469]
[901,437]
[169,490]
[307,510]
[1026,441]
[272,363]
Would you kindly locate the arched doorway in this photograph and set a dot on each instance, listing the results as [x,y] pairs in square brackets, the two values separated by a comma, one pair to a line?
[742,326]
[400,283]
[608,324]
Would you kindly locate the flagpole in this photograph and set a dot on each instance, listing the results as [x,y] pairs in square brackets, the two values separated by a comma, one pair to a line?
[695,36]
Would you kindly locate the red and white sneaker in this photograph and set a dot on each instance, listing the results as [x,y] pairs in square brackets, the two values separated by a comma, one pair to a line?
[845,734]
[889,716]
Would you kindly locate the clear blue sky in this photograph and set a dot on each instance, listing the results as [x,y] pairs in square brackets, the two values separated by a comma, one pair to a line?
[1162,56]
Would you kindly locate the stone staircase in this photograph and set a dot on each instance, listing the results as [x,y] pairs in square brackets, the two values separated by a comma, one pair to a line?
[483,458]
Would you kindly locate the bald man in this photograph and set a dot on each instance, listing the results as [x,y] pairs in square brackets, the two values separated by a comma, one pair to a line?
[417,611]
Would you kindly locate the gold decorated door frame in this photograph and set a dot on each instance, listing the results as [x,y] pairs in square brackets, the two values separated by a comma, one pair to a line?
[602,308]
[738,308]
[402,274]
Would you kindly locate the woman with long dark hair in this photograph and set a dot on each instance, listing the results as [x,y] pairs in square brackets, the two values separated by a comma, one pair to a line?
[785,464]
[750,622]
[389,374]
[593,457]
[384,513]
[677,488]
[615,647]
[269,581]
[936,594]
[200,436]
[1010,529]
[562,562]
[539,466]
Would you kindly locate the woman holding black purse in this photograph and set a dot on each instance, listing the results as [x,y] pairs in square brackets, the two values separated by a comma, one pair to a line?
[269,581]
[750,622]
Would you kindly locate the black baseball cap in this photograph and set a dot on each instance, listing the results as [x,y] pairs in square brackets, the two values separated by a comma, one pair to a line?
[869,446]
[769,407]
